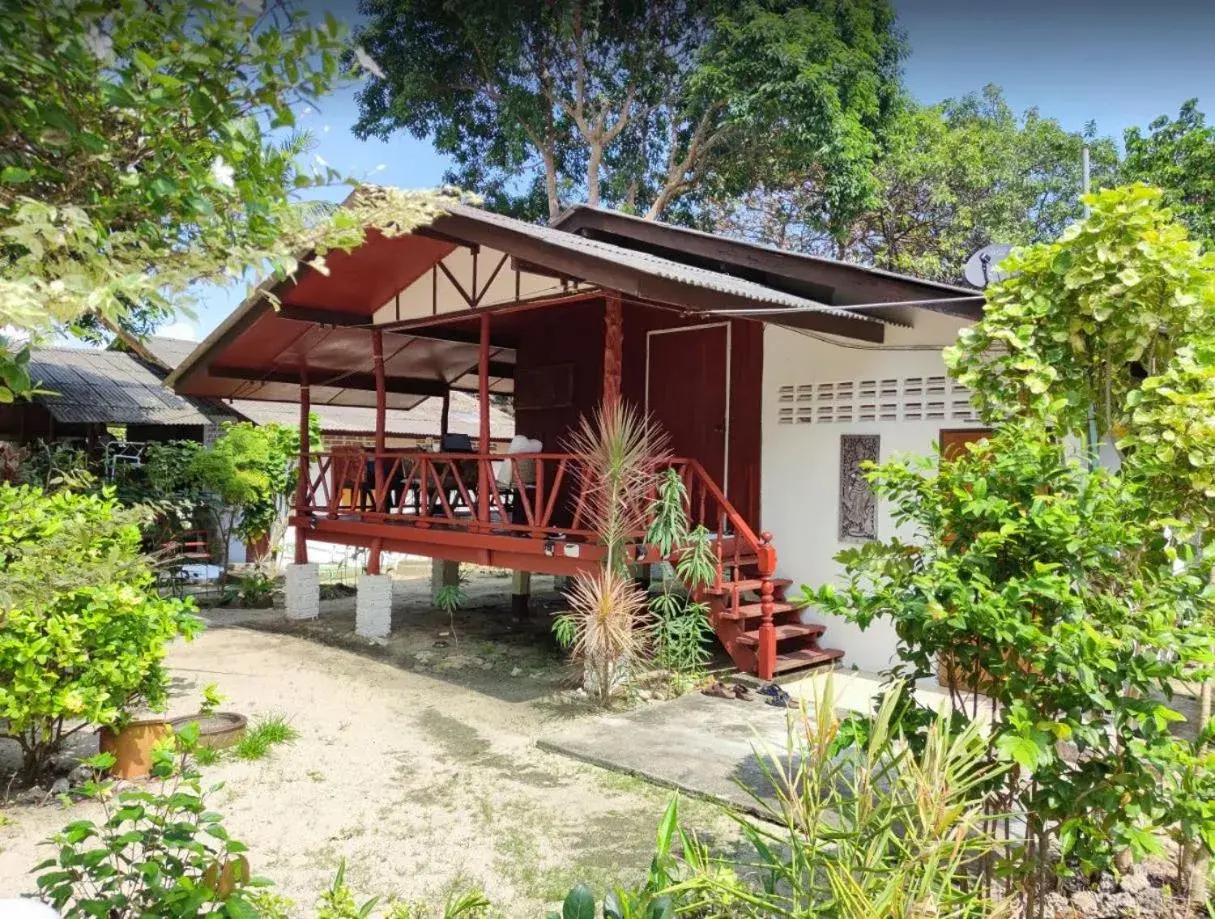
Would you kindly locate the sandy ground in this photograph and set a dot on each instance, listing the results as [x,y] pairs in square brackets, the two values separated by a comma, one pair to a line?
[420,772]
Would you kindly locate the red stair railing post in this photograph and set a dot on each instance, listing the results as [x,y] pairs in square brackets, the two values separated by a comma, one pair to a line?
[767,631]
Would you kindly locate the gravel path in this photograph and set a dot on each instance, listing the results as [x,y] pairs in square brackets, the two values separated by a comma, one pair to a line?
[423,781]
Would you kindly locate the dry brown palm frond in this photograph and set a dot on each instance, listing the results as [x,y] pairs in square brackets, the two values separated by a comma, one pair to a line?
[622,452]
[611,621]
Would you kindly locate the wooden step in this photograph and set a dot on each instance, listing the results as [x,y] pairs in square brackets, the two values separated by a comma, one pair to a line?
[749,584]
[806,657]
[783,632]
[755,610]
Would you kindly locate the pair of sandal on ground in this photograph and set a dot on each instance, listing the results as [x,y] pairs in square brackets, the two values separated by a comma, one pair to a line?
[775,695]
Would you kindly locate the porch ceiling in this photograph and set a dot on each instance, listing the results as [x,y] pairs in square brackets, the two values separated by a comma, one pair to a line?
[266,361]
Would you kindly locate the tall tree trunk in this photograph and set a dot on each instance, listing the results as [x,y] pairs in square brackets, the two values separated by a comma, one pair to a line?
[550,184]
[592,173]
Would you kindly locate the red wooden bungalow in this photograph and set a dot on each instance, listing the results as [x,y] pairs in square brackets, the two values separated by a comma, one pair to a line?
[600,307]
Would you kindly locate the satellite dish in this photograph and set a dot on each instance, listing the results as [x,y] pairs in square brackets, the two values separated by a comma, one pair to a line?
[981,268]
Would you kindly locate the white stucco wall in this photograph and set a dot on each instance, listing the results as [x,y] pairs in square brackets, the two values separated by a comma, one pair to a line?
[801,458]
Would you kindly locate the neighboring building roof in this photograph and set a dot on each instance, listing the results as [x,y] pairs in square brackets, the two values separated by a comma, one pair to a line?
[422,420]
[161,350]
[88,386]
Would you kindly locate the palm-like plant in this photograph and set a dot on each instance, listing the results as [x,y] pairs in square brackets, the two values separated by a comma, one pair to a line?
[622,452]
[609,623]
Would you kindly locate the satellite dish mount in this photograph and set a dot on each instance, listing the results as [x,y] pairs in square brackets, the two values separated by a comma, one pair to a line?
[982,268]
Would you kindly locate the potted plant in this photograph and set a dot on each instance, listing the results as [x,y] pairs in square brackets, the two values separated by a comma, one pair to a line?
[131,742]
[216,730]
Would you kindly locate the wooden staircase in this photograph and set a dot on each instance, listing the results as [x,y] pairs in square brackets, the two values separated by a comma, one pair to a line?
[765,646]
[761,630]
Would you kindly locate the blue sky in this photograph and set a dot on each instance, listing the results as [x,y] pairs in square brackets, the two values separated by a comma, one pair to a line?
[1118,62]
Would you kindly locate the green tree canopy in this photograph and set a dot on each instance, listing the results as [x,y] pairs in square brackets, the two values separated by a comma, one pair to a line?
[950,178]
[644,106]
[147,147]
[1178,155]
[1082,320]
[135,157]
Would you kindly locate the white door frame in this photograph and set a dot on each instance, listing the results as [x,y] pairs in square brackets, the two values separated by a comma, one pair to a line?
[725,473]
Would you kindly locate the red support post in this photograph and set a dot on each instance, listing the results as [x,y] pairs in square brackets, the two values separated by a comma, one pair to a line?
[613,350]
[766,652]
[381,399]
[301,483]
[483,444]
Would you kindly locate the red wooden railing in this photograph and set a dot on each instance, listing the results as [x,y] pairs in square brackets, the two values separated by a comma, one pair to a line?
[441,489]
[544,495]
[544,498]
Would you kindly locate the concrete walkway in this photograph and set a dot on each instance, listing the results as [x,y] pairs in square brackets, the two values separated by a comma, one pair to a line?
[710,747]
[698,744]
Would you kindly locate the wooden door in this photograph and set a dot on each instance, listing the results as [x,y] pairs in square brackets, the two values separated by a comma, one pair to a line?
[953,442]
[688,393]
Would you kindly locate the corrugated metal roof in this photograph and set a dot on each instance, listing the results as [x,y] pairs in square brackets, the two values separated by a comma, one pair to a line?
[657,266]
[570,216]
[107,387]
[168,352]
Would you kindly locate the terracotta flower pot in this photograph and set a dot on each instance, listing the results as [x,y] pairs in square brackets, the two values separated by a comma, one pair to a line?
[131,746]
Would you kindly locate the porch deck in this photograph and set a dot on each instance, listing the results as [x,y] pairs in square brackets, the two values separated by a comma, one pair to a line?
[520,511]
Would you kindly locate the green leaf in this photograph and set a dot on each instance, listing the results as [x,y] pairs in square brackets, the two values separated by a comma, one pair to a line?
[579,904]
[661,908]
[667,827]
[1020,749]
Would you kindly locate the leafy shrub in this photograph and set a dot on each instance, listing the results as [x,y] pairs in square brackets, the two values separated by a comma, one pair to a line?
[681,633]
[83,635]
[212,699]
[878,830]
[254,590]
[154,853]
[1037,584]
[52,465]
[451,598]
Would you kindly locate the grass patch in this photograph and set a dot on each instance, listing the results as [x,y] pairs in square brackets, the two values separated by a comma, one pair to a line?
[206,756]
[264,734]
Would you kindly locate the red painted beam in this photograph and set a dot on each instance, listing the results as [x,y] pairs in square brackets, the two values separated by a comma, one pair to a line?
[499,552]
